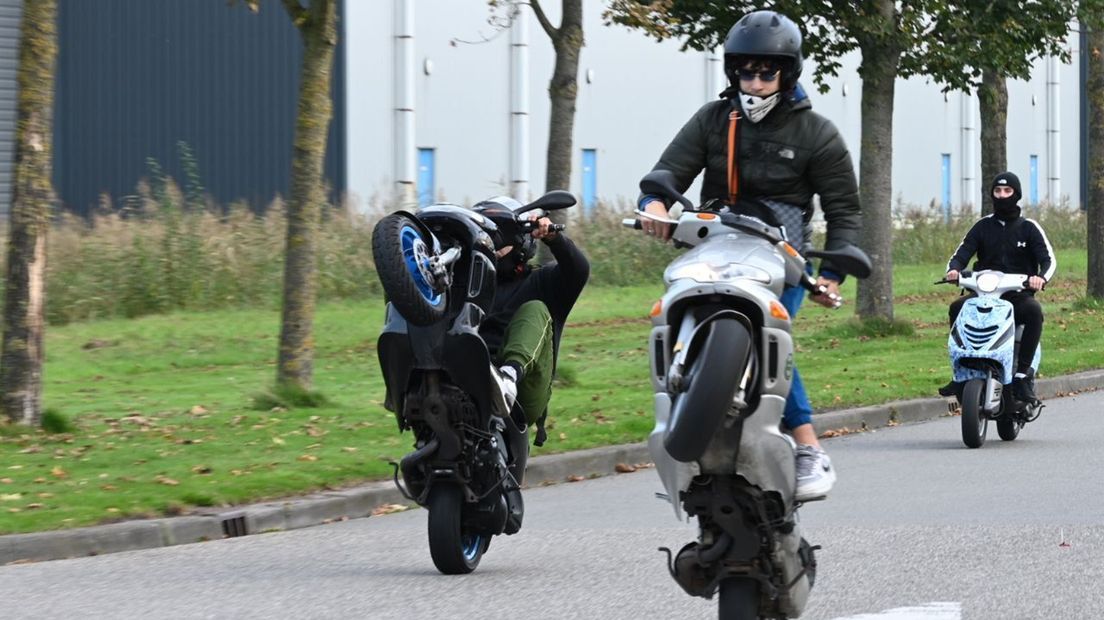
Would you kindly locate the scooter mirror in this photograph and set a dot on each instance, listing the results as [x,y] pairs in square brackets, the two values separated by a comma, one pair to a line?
[553,200]
[849,259]
[662,183]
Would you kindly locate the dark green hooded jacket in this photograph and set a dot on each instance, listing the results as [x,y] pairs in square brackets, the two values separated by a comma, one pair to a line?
[788,156]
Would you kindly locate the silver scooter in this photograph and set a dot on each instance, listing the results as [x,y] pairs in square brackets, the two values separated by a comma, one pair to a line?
[721,366]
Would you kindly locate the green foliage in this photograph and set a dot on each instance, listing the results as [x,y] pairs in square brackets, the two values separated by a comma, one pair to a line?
[830,28]
[1006,36]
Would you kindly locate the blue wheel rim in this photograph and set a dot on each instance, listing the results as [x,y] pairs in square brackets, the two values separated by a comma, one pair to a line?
[473,544]
[417,263]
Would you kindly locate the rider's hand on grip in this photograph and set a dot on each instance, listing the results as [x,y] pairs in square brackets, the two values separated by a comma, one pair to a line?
[826,293]
[652,228]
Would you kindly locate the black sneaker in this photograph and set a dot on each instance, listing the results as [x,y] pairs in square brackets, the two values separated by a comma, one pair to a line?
[953,388]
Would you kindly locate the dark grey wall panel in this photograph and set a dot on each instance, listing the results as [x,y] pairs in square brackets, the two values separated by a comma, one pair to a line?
[10,12]
[135,77]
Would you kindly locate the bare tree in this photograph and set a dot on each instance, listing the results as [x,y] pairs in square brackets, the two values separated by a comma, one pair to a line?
[317,24]
[32,197]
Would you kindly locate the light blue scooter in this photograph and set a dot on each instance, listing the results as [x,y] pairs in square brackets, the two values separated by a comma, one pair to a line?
[984,345]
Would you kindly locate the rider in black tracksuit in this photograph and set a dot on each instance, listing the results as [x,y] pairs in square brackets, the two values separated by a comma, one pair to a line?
[1007,242]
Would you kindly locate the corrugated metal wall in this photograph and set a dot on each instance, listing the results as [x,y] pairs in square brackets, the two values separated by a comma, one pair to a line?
[10,11]
[135,77]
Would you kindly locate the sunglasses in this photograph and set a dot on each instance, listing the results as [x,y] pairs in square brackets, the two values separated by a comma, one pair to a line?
[766,75]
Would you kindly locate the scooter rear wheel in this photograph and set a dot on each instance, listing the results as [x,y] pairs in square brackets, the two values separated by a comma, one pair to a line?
[974,420]
[739,599]
[1008,428]
[454,551]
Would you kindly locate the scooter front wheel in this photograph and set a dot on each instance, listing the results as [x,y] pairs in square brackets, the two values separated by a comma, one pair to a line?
[974,420]
[402,252]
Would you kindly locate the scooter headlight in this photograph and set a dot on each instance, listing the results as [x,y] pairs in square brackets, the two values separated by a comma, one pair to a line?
[704,272]
[988,282]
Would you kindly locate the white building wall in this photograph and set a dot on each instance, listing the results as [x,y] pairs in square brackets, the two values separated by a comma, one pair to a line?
[634,95]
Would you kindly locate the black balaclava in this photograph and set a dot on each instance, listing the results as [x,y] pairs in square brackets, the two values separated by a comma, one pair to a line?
[1006,209]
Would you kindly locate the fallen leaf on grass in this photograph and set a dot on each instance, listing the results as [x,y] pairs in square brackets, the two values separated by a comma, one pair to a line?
[202,469]
[6,480]
[166,481]
[112,510]
[11,497]
[198,410]
[308,457]
[58,472]
[108,487]
[278,441]
[387,509]
[35,506]
[348,449]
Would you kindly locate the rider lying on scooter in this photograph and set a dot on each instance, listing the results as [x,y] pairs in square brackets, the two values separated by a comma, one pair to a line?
[523,328]
[1007,242]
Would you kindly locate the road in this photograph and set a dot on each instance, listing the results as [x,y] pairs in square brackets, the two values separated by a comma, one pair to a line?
[917,527]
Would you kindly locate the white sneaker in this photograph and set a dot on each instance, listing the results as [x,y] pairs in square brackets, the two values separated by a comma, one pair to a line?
[504,388]
[815,474]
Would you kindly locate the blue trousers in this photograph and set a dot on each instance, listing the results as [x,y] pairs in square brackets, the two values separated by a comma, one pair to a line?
[798,408]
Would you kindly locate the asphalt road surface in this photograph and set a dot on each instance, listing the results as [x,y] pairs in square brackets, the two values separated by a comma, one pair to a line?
[918,528]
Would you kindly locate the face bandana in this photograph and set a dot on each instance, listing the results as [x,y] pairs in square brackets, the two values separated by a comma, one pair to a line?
[758,107]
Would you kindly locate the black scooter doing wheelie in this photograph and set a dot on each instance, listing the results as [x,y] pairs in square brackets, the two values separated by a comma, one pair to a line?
[437,268]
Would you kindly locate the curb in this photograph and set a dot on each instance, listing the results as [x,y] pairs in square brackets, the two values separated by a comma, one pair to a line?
[362,501]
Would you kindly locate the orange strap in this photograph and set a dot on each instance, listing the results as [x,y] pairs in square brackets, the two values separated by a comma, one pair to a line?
[733,172]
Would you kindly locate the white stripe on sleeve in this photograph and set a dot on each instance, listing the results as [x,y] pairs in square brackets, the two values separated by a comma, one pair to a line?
[1050,250]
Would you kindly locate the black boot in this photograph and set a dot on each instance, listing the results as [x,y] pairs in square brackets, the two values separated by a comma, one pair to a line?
[1024,387]
[953,388]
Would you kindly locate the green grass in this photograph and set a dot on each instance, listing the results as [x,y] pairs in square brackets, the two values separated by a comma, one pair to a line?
[155,416]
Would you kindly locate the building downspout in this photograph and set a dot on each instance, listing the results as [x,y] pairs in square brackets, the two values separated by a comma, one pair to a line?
[519,104]
[715,80]
[406,193]
[1054,170]
[1083,95]
[969,151]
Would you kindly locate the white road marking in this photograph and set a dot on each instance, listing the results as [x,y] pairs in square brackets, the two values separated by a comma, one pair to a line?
[930,611]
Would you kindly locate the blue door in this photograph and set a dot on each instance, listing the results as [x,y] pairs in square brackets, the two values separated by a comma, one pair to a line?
[590,180]
[946,187]
[1034,175]
[426,186]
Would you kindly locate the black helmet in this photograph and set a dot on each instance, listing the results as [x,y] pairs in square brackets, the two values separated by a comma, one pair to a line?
[764,34]
[502,211]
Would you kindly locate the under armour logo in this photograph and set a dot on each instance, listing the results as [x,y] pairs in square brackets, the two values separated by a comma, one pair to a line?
[1021,244]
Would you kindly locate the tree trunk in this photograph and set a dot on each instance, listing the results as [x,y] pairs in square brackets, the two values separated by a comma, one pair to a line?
[993,104]
[879,76]
[32,194]
[1095,214]
[296,359]
[563,89]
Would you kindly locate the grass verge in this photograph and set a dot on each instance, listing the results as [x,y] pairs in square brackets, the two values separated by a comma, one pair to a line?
[156,416]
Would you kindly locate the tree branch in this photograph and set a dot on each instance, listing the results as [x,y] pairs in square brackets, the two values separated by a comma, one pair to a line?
[543,19]
[299,15]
